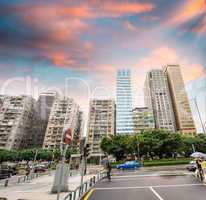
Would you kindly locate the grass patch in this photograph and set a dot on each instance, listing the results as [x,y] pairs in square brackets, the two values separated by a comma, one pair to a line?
[165,162]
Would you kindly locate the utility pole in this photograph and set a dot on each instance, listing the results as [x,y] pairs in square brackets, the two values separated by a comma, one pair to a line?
[138,151]
[35,156]
[198,111]
[82,149]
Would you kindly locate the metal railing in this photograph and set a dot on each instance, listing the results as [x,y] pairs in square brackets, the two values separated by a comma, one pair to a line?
[20,179]
[81,190]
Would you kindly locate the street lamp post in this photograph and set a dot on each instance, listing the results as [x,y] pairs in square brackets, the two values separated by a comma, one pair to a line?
[82,149]
[198,111]
[61,177]
[138,150]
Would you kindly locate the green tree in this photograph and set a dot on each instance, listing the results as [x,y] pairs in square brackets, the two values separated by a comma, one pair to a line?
[116,145]
[44,154]
[26,154]
[186,149]
[200,143]
[107,145]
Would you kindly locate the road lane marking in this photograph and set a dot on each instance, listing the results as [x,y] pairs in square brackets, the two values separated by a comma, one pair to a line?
[144,187]
[89,194]
[155,193]
[150,175]
[132,179]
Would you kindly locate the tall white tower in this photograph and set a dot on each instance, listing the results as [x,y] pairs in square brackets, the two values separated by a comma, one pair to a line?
[124,117]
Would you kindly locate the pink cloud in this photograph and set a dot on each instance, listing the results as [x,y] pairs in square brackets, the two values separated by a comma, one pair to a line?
[190,10]
[59,27]
[115,8]
[85,10]
[64,24]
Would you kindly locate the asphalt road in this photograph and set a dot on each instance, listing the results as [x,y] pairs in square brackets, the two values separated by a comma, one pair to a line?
[149,186]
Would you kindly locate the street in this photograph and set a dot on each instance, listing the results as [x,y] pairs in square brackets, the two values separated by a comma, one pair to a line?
[149,186]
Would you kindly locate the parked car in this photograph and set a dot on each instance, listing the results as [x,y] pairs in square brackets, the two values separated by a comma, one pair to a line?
[129,165]
[39,169]
[192,166]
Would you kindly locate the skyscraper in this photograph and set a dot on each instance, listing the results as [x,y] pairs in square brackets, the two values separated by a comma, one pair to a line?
[181,106]
[157,97]
[63,116]
[101,123]
[45,103]
[124,116]
[1,101]
[17,118]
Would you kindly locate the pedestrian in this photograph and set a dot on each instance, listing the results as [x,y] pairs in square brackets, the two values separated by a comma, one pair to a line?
[199,168]
[27,170]
[109,169]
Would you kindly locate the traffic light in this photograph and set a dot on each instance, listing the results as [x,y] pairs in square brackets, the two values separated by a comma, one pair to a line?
[86,150]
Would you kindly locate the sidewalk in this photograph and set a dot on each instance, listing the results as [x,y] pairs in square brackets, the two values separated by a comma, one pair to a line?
[39,189]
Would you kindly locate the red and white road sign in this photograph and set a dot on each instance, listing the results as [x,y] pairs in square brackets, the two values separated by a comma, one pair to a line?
[68,136]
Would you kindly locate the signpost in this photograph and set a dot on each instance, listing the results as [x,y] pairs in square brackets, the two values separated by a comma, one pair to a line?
[68,137]
[61,176]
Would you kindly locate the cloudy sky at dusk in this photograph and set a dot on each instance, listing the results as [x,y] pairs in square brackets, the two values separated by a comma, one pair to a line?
[86,41]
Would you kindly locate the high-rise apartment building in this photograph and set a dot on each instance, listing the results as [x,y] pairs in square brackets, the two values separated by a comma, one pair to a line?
[16,122]
[1,101]
[143,119]
[101,123]
[124,117]
[79,130]
[45,103]
[181,106]
[63,116]
[157,98]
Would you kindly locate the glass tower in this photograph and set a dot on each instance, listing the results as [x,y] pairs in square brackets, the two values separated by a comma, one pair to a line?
[124,117]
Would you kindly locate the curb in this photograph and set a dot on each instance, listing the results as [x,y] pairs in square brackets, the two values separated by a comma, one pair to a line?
[87,193]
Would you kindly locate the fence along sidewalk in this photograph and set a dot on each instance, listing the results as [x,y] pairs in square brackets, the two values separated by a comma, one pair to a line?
[81,190]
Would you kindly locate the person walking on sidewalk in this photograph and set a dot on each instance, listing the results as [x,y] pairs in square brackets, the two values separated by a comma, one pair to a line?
[109,169]
[28,170]
[199,167]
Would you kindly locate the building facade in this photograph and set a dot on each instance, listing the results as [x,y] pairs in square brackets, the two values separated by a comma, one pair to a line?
[183,115]
[16,122]
[101,123]
[1,101]
[45,103]
[79,130]
[157,98]
[63,116]
[143,119]
[124,117]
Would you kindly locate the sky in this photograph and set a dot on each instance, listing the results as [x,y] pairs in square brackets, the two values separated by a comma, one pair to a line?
[76,47]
